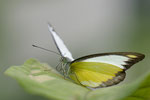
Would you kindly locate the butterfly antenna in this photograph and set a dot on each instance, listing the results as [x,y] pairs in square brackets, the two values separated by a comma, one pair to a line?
[46,49]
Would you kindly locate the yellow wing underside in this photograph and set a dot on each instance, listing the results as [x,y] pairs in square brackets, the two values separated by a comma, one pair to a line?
[92,74]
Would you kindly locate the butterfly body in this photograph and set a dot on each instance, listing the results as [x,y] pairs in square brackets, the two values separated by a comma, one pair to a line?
[96,70]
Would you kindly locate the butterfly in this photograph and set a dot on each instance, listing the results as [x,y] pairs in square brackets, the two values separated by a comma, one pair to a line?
[96,70]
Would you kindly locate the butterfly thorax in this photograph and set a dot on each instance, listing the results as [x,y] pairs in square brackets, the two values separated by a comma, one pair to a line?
[64,67]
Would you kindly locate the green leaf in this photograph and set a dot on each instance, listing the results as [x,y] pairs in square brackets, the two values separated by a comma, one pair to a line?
[40,79]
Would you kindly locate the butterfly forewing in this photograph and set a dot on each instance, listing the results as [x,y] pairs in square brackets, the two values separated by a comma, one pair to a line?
[60,44]
[123,60]
[102,70]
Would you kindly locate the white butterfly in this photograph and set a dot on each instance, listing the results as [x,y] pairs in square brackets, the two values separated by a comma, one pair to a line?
[96,70]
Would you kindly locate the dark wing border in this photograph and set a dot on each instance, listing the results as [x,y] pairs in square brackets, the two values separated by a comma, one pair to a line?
[120,76]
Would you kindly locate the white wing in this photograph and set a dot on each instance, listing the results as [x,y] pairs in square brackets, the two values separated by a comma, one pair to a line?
[60,44]
[110,59]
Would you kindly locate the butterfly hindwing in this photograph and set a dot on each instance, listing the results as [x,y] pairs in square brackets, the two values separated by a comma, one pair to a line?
[93,74]
[102,70]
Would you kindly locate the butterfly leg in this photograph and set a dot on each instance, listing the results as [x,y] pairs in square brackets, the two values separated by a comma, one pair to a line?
[63,69]
[67,69]
[57,67]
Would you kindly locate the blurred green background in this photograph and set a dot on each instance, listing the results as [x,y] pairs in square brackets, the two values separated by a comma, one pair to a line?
[86,26]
